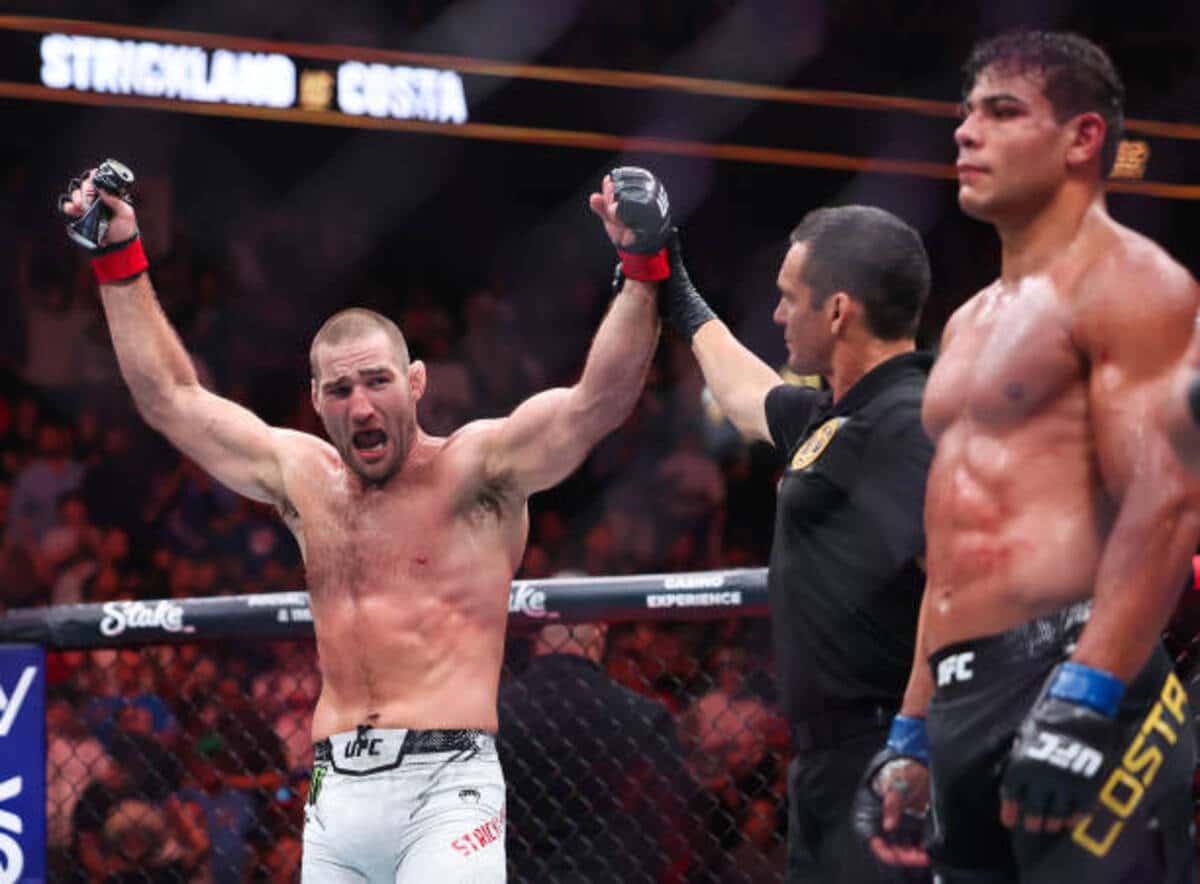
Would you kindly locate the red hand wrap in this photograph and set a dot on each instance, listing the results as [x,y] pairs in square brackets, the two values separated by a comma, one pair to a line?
[646,268]
[125,263]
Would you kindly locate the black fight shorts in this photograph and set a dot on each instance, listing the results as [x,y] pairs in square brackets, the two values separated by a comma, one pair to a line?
[1140,829]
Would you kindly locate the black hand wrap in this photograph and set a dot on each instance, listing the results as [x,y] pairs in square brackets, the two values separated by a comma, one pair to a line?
[1066,745]
[1194,399]
[679,304]
[643,206]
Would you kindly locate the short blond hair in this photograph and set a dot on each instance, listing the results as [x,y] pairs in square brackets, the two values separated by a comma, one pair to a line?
[356,322]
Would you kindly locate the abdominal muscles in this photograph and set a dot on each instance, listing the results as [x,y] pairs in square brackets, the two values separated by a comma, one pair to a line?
[1016,526]
[415,641]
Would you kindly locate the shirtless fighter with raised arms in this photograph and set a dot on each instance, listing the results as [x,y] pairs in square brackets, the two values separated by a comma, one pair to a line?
[410,541]
[1060,524]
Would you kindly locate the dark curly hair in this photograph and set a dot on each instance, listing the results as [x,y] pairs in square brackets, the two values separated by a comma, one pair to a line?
[1078,75]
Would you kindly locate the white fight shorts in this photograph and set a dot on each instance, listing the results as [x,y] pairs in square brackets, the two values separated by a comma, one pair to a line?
[405,807]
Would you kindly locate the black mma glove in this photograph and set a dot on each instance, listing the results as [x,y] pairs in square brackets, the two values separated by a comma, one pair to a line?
[642,205]
[1066,745]
[679,304]
[111,261]
[907,744]
[88,229]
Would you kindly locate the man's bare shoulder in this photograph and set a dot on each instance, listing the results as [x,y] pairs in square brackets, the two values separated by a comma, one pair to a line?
[1131,259]
[1136,293]
[469,440]
[967,311]
[301,445]
[303,455]
[468,453]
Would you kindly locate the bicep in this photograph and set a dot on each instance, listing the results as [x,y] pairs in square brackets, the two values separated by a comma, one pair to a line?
[542,442]
[228,441]
[1135,346]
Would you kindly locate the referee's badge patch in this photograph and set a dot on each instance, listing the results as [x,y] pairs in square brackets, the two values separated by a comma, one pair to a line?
[815,445]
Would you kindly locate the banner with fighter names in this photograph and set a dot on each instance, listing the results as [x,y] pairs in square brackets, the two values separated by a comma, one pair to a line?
[117,65]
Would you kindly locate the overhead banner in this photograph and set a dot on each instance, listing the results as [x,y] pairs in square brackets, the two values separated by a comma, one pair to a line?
[117,65]
[22,764]
[183,72]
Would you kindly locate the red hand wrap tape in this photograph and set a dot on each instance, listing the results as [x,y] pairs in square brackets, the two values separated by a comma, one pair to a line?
[125,263]
[646,268]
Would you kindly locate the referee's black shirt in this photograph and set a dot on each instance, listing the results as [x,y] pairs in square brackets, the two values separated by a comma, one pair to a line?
[845,586]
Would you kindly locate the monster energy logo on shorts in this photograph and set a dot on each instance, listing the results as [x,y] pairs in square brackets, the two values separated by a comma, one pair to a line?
[314,786]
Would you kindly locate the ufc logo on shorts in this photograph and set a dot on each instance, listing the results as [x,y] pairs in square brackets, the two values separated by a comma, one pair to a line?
[1065,753]
[956,667]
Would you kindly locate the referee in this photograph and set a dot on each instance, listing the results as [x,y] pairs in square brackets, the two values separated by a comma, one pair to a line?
[845,575]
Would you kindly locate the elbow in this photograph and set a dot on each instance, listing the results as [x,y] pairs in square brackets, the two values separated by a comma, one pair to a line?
[153,405]
[158,404]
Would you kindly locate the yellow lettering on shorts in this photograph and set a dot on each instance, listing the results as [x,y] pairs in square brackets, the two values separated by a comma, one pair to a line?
[1174,697]
[1108,795]
[1143,757]
[1135,758]
[1100,847]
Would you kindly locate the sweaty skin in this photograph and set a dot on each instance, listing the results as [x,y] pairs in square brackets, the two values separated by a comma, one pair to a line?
[1180,416]
[1032,465]
[1053,479]
[409,547]
[408,583]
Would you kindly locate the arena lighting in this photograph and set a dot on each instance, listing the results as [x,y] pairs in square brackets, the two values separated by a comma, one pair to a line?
[103,64]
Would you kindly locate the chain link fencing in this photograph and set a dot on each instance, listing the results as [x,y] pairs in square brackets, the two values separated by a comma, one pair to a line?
[640,752]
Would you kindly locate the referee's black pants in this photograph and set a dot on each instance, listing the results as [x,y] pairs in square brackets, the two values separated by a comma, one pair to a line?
[822,847]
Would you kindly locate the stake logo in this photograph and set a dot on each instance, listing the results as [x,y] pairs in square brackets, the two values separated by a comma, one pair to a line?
[527,599]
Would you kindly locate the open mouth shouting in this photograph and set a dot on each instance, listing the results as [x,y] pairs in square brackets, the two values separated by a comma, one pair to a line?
[369,444]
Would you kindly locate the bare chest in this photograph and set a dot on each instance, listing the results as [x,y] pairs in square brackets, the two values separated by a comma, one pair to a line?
[360,546]
[1011,358]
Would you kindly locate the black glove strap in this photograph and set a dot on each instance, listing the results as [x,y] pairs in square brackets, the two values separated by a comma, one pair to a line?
[681,306]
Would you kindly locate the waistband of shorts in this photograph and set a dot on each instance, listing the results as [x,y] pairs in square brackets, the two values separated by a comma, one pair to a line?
[969,665]
[372,750]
